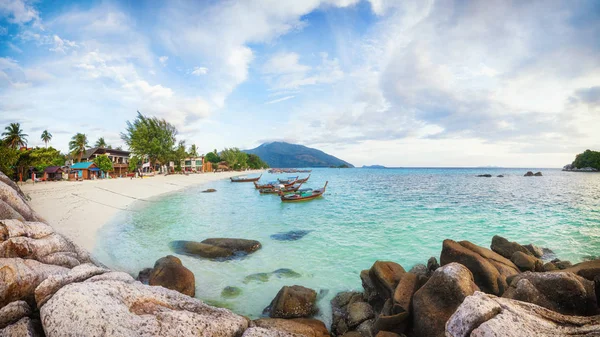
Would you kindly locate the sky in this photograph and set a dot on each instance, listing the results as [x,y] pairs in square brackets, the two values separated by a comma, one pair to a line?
[396,83]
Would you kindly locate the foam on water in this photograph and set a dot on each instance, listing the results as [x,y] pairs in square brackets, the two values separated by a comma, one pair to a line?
[401,215]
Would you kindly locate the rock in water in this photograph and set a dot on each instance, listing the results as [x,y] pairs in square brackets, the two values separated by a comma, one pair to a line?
[286,272]
[587,269]
[487,315]
[385,276]
[487,175]
[359,312]
[110,305]
[527,262]
[529,174]
[290,236]
[489,269]
[259,277]
[534,250]
[231,292]
[216,248]
[562,292]
[210,190]
[293,302]
[437,300]
[538,174]
[235,245]
[170,273]
[507,248]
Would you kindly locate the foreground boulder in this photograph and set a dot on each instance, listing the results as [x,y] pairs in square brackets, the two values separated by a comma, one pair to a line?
[297,327]
[487,315]
[565,293]
[437,300]
[489,269]
[14,202]
[115,304]
[216,248]
[293,302]
[170,273]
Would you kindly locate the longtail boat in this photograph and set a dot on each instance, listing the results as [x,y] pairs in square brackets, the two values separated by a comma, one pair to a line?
[280,190]
[303,195]
[288,180]
[304,171]
[270,184]
[303,180]
[244,179]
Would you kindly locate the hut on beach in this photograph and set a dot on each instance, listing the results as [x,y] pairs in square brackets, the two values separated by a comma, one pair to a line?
[52,173]
[86,170]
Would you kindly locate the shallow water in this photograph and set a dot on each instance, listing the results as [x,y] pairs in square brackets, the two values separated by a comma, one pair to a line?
[401,215]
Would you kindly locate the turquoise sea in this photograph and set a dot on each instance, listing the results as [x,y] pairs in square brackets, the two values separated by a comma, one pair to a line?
[402,215]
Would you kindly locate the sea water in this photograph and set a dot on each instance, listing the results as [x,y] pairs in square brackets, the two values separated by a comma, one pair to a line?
[400,215]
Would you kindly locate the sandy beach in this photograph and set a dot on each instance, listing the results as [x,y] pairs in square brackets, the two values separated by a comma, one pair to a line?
[79,209]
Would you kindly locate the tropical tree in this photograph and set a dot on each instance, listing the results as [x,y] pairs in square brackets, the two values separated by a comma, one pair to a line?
[46,137]
[254,162]
[14,136]
[213,157]
[193,151]
[150,137]
[100,143]
[78,145]
[235,158]
[104,163]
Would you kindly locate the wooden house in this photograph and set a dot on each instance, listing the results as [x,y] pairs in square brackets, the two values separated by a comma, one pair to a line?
[86,170]
[52,173]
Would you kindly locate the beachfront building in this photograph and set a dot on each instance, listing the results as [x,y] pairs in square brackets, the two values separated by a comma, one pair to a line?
[193,164]
[52,173]
[119,158]
[85,170]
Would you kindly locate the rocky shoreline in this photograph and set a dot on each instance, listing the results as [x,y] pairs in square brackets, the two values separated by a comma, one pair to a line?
[51,287]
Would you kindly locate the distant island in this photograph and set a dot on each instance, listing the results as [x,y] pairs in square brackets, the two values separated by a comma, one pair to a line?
[588,161]
[373,166]
[286,155]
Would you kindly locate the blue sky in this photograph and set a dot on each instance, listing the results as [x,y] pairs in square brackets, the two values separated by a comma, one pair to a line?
[411,83]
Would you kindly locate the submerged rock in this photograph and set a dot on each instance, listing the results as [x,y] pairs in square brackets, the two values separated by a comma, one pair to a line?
[170,273]
[210,190]
[216,248]
[286,272]
[259,277]
[293,302]
[291,235]
[231,292]
[486,315]
[487,175]
[437,300]
[264,277]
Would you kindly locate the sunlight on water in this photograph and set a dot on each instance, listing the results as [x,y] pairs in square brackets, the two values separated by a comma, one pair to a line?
[401,215]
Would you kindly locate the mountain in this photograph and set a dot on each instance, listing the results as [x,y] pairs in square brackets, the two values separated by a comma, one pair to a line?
[285,155]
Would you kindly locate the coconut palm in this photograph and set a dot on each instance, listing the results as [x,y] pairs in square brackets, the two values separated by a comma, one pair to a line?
[78,144]
[46,137]
[14,136]
[100,143]
[193,151]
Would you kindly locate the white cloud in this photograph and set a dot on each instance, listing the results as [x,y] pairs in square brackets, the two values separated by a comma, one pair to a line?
[280,99]
[163,60]
[283,71]
[199,71]
[62,45]
[18,12]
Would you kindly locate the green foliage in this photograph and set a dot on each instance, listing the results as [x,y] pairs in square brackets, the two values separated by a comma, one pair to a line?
[254,162]
[14,136]
[104,163]
[193,151]
[213,157]
[152,137]
[235,158]
[15,162]
[101,143]
[9,157]
[46,137]
[43,157]
[587,159]
[133,163]
[78,145]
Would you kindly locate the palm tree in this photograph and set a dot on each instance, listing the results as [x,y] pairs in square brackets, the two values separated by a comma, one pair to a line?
[46,137]
[78,144]
[193,151]
[100,143]
[14,136]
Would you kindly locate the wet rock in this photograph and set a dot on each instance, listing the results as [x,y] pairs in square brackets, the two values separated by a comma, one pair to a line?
[144,275]
[359,312]
[487,315]
[258,277]
[527,262]
[231,292]
[432,265]
[507,248]
[293,302]
[366,328]
[562,292]
[487,175]
[385,276]
[216,248]
[529,174]
[489,269]
[13,312]
[437,300]
[391,320]
[370,291]
[53,283]
[548,254]
[286,272]
[290,236]
[587,269]
[170,273]
[538,174]
[534,250]
[339,310]
[117,308]
[210,190]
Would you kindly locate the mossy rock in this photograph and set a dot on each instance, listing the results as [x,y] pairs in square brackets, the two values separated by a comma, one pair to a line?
[231,292]
[259,277]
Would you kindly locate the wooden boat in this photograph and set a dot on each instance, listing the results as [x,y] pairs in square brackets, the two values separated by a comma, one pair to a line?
[303,180]
[244,180]
[304,171]
[270,184]
[303,195]
[280,190]
[289,180]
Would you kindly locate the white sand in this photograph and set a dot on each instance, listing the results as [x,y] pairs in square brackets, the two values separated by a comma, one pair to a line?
[79,209]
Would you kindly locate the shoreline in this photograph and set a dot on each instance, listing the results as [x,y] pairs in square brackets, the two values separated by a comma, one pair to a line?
[79,209]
